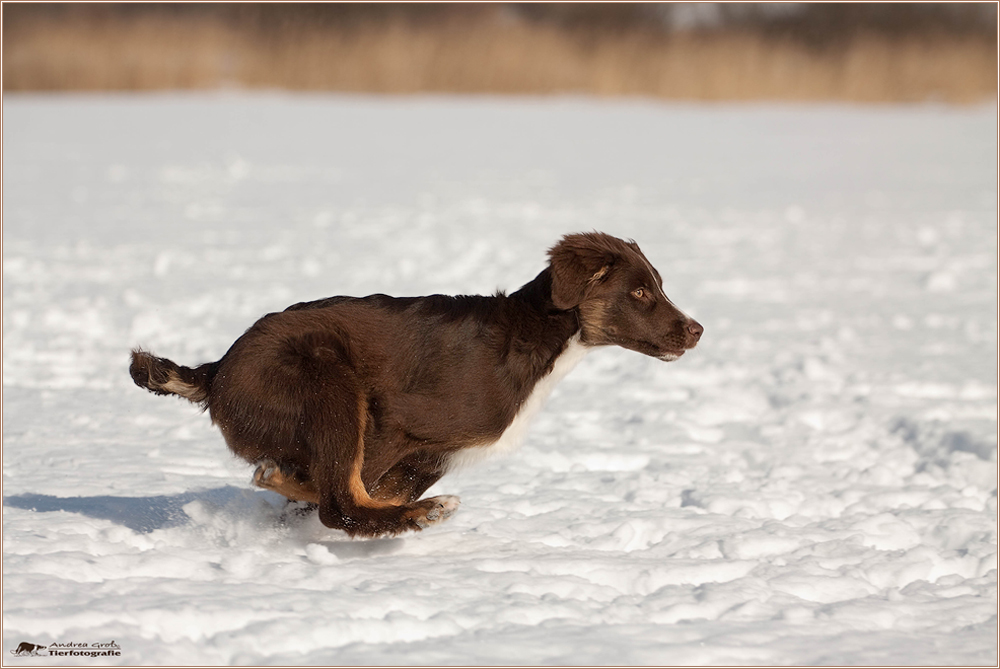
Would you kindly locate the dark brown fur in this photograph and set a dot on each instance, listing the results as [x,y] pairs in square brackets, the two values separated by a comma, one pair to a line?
[358,404]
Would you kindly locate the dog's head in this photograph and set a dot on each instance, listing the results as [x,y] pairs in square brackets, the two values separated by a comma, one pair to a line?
[619,296]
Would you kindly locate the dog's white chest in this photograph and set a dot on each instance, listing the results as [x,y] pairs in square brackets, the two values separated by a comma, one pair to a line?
[514,435]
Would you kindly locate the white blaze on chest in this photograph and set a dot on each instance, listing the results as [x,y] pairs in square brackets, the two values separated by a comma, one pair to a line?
[513,436]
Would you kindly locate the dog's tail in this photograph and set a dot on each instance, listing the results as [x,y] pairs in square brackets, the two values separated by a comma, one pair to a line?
[164,377]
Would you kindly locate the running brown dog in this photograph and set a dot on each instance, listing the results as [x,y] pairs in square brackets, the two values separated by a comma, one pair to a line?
[358,405]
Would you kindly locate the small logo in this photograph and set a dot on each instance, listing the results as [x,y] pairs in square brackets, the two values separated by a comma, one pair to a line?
[25,648]
[69,649]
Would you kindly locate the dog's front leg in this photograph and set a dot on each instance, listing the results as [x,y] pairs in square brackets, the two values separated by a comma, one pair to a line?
[408,479]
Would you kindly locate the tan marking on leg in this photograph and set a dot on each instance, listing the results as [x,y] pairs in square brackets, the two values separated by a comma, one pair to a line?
[355,485]
[269,476]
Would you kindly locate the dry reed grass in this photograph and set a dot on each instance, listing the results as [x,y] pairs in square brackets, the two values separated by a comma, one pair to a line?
[144,52]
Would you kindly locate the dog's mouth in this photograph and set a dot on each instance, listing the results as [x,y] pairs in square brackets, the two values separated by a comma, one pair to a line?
[671,355]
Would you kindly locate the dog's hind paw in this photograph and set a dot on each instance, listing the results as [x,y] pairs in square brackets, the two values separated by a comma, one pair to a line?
[269,475]
[266,470]
[434,510]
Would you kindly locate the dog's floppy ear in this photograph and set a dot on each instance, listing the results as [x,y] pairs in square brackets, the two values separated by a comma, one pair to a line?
[576,263]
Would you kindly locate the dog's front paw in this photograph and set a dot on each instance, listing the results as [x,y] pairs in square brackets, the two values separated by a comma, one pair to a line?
[295,512]
[434,510]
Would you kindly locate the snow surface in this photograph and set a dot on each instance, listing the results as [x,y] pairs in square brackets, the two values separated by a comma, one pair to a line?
[814,484]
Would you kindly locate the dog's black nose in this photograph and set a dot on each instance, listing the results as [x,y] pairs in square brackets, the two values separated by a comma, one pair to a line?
[695,330]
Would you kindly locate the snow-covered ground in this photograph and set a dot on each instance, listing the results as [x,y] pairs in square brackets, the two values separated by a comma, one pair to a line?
[816,483]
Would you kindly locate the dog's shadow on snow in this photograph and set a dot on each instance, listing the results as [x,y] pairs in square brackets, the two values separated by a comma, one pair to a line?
[146,514]
[141,514]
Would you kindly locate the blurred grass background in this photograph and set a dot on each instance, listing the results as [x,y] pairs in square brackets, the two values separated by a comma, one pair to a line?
[864,52]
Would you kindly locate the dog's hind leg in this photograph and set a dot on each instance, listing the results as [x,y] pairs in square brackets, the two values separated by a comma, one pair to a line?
[269,475]
[335,425]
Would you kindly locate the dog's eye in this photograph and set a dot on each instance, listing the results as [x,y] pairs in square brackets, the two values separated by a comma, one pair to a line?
[638,293]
